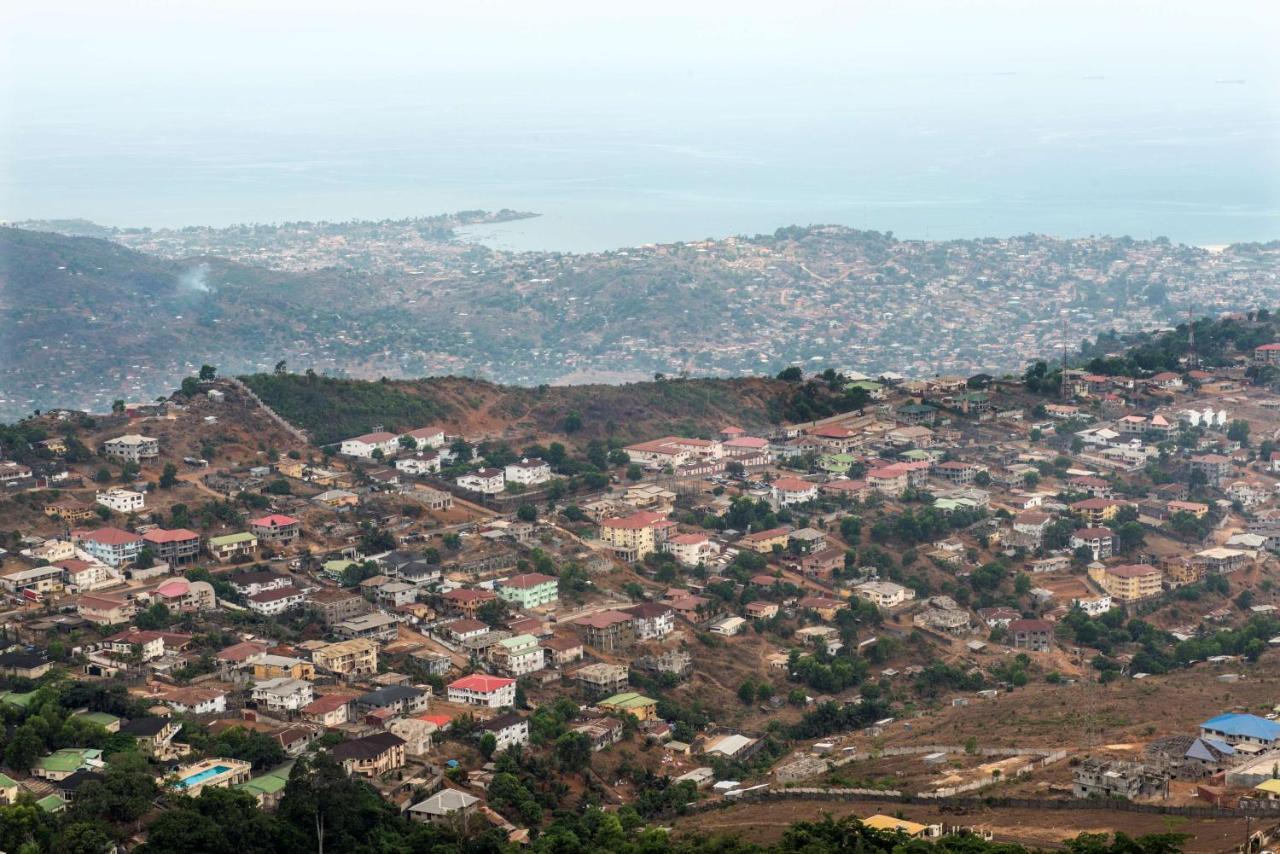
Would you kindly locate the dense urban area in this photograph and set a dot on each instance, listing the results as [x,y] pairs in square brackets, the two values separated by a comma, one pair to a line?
[990,612]
[94,313]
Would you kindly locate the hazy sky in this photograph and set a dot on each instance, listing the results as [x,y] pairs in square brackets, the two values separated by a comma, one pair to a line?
[103,104]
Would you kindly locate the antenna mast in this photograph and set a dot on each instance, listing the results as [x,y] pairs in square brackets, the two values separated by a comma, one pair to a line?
[1064,358]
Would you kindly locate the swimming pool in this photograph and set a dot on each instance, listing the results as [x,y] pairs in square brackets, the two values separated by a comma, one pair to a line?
[204,776]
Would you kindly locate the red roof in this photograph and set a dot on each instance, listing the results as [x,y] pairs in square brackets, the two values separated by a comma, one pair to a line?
[604,619]
[1268,347]
[527,580]
[326,703]
[468,595]
[173,535]
[110,537]
[793,484]
[1133,570]
[275,520]
[643,519]
[481,684]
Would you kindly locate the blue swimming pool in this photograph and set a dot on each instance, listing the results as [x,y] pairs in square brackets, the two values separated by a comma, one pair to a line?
[203,776]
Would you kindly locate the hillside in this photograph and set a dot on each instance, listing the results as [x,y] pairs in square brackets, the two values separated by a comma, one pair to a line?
[330,409]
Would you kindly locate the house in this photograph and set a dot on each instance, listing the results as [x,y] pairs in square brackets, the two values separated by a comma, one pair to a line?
[121,500]
[465,629]
[271,666]
[493,692]
[61,764]
[602,732]
[33,583]
[727,626]
[761,610]
[337,498]
[1094,487]
[1029,527]
[1097,511]
[529,590]
[1129,583]
[911,829]
[358,657]
[638,706]
[371,445]
[105,610]
[177,547]
[607,631]
[424,438]
[891,479]
[467,602]
[528,472]
[518,655]
[422,464]
[83,575]
[112,546]
[447,807]
[372,755]
[276,529]
[486,481]
[68,511]
[24,664]
[393,594]
[283,694]
[653,620]
[957,472]
[374,626]
[765,542]
[824,606]
[195,701]
[328,710]
[509,730]
[180,594]
[1215,468]
[1033,635]
[272,602]
[131,448]
[252,583]
[691,549]
[229,547]
[1166,380]
[1266,354]
[884,594]
[822,563]
[787,491]
[153,735]
[561,651]
[1238,729]
[1099,541]
[674,451]
[397,699]
[635,536]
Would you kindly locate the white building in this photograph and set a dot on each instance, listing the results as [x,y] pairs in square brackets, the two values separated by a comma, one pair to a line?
[364,446]
[477,689]
[484,481]
[276,600]
[728,627]
[425,464]
[283,694]
[131,448]
[792,490]
[884,594]
[528,472]
[426,437]
[692,549]
[121,500]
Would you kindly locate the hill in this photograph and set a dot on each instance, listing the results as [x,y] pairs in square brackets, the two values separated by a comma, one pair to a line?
[332,409]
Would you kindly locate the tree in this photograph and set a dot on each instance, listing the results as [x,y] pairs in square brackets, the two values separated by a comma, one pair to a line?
[190,386]
[634,472]
[792,374]
[169,477]
[573,751]
[527,513]
[1130,537]
[208,372]
[488,744]
[572,422]
[747,692]
[24,748]
[1238,431]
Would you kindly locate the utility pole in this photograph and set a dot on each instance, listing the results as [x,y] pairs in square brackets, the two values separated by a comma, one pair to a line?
[1064,358]
[1192,361]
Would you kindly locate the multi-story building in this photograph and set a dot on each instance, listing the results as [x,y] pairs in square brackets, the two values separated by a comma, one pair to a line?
[228,547]
[121,500]
[528,472]
[283,694]
[607,631]
[275,601]
[653,620]
[426,437]
[529,590]
[1033,635]
[493,692]
[508,730]
[635,536]
[364,446]
[1096,512]
[485,481]
[787,491]
[131,448]
[276,529]
[691,549]
[175,546]
[1215,468]
[358,657]
[376,626]
[518,655]
[601,679]
[112,546]
[1129,583]
[1099,541]
[764,542]
[371,755]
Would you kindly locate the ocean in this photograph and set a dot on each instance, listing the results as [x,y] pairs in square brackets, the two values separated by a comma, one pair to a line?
[616,163]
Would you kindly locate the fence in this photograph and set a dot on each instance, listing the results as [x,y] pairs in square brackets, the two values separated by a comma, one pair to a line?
[296,432]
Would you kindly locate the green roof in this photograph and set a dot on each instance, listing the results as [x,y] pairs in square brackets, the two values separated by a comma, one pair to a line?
[866,384]
[68,758]
[51,803]
[337,565]
[7,782]
[231,539]
[628,700]
[271,782]
[917,408]
[100,718]
[916,454]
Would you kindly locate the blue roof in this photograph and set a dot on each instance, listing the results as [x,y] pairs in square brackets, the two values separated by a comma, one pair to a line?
[1209,750]
[1244,726]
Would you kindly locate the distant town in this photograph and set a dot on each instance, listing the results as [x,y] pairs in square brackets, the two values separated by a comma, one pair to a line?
[966,606]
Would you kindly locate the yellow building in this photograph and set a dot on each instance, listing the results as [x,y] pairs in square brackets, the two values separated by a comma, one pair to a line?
[637,705]
[276,666]
[889,824]
[1129,583]
[764,541]
[632,537]
[355,657]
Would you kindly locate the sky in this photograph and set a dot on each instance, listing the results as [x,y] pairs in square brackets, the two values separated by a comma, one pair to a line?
[89,88]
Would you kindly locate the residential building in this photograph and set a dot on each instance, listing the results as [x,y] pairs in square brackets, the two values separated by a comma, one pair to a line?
[486,481]
[283,695]
[272,602]
[112,546]
[131,448]
[229,547]
[529,590]
[329,710]
[447,807]
[607,631]
[1129,583]
[177,547]
[691,549]
[365,446]
[1096,512]
[256,581]
[1033,635]
[397,699]
[1099,541]
[640,707]
[276,529]
[635,536]
[562,650]
[528,472]
[1216,468]
[493,692]
[508,730]
[105,610]
[884,594]
[371,755]
[358,657]
[426,437]
[153,735]
[467,602]
[765,542]
[1237,729]
[518,655]
[653,620]
[600,679]
[787,491]
[121,500]
[727,626]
